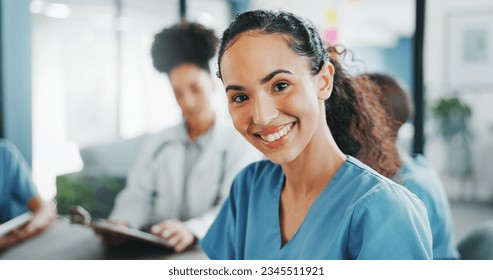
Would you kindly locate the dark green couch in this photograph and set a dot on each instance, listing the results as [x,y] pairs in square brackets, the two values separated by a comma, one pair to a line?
[103,176]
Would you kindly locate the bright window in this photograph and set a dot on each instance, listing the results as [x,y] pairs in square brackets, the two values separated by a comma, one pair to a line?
[93,79]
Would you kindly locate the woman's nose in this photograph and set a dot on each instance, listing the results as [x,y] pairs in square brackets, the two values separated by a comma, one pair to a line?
[265,110]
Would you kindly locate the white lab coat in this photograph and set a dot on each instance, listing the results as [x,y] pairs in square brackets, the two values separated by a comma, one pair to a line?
[155,183]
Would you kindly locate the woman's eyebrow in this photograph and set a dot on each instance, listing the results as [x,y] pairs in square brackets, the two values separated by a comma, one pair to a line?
[262,81]
[234,87]
[273,74]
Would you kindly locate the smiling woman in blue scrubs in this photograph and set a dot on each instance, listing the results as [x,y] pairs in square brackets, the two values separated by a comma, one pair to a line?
[309,200]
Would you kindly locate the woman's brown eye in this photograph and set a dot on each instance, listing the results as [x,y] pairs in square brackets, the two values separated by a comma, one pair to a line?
[280,86]
[240,98]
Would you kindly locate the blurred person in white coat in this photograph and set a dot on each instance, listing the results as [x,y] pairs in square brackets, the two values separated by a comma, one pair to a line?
[183,173]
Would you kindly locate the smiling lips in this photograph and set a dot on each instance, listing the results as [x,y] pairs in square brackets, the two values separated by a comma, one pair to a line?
[274,136]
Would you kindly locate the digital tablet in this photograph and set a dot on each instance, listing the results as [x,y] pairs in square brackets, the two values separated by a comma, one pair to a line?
[129,232]
[15,223]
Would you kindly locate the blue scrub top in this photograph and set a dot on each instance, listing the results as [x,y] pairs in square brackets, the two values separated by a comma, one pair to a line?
[359,215]
[16,185]
[417,176]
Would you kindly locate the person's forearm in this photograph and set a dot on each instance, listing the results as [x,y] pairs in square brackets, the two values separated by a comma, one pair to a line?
[43,214]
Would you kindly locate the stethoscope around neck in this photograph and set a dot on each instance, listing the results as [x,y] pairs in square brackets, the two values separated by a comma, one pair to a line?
[154,194]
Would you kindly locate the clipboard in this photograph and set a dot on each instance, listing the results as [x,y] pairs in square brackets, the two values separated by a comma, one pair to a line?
[15,223]
[79,215]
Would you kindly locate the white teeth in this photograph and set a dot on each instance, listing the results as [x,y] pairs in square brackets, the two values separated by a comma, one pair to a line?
[277,135]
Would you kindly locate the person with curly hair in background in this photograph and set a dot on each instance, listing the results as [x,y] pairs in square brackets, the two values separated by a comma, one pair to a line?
[413,172]
[184,172]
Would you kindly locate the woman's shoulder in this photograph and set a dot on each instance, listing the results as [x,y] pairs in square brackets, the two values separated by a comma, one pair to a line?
[357,170]
[258,181]
[262,169]
[373,188]
[258,174]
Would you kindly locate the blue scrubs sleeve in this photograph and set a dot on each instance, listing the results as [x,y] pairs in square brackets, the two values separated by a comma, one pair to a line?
[17,180]
[390,223]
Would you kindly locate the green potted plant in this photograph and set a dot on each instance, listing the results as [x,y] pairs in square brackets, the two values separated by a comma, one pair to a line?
[453,117]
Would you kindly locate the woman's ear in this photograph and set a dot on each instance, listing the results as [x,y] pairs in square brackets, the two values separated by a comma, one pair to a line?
[325,81]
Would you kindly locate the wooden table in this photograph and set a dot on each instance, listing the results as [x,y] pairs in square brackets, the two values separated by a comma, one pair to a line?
[66,241]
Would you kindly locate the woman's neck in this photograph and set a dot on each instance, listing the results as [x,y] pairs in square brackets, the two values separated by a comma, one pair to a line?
[200,125]
[315,166]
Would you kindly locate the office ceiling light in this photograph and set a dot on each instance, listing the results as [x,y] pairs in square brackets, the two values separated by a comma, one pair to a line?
[56,10]
[37,6]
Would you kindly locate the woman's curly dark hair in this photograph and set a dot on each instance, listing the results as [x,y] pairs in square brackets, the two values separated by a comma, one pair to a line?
[355,118]
[184,42]
[358,121]
[378,144]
